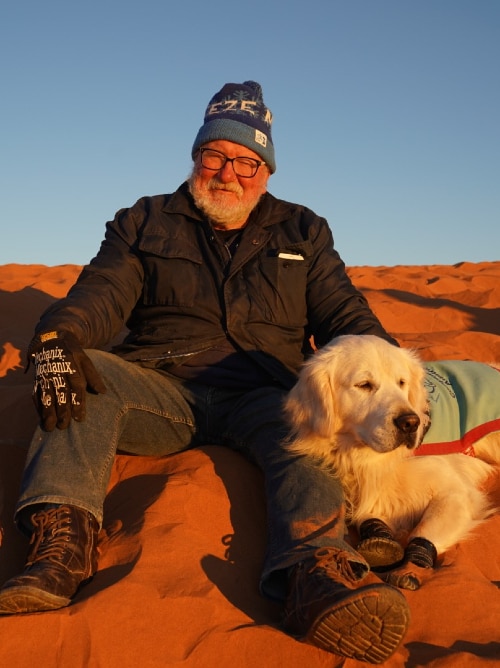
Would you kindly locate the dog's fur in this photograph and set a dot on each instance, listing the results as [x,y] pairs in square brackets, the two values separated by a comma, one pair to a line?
[360,408]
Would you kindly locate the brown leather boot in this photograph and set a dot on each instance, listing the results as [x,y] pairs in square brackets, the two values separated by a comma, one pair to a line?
[335,605]
[62,557]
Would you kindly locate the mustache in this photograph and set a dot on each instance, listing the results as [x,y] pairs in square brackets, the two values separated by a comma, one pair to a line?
[214,184]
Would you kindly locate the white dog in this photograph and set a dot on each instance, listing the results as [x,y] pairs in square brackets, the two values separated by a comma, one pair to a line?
[362,407]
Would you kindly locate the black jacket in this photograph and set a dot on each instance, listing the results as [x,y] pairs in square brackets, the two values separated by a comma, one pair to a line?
[162,272]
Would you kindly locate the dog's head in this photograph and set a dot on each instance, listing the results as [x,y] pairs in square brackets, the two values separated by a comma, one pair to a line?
[359,391]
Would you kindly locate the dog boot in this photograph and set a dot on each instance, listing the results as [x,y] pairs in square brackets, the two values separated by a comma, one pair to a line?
[418,564]
[337,605]
[377,544]
[62,557]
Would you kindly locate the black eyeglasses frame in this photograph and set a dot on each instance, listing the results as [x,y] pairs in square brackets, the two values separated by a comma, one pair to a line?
[256,163]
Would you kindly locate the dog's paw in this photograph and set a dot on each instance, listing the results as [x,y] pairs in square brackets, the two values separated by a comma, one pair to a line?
[380,552]
[407,576]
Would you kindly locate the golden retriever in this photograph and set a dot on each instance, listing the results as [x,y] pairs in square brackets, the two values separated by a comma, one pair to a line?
[361,408]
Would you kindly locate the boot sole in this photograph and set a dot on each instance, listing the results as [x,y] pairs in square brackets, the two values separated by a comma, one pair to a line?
[369,627]
[29,599]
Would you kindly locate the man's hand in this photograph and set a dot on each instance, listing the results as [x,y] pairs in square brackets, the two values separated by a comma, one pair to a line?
[63,373]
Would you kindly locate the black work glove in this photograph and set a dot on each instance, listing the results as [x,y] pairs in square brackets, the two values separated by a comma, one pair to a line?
[63,373]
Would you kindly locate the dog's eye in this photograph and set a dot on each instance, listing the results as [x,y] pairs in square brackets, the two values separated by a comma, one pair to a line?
[365,385]
[402,382]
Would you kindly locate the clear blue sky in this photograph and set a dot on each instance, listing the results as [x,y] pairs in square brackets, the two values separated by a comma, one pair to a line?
[386,117]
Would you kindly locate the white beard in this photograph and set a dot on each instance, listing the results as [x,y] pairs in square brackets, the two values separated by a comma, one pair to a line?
[225,211]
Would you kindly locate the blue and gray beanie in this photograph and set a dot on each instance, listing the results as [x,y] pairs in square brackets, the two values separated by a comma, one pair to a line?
[237,113]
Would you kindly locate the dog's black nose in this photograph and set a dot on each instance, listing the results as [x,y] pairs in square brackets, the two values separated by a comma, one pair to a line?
[407,423]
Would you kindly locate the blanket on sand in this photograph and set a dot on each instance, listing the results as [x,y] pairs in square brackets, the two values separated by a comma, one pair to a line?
[464,402]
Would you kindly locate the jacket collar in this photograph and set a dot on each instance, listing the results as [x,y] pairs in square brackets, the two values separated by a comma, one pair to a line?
[181,202]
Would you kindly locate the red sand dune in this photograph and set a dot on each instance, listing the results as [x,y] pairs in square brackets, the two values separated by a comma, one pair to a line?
[183,536]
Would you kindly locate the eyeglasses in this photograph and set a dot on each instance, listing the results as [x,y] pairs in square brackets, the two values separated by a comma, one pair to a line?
[215,160]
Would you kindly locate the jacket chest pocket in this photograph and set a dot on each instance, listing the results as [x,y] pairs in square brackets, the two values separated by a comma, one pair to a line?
[172,269]
[284,288]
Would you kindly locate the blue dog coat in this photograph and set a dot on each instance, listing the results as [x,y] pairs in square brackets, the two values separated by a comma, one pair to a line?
[464,402]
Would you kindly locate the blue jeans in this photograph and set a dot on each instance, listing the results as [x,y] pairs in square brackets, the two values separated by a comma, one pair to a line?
[148,412]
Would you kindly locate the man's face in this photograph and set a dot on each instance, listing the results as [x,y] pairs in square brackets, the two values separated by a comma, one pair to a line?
[227,199]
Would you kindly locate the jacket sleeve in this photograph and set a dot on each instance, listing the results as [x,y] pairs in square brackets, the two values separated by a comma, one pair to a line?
[100,302]
[335,305]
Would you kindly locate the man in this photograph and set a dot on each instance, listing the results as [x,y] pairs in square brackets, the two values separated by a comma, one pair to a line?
[221,287]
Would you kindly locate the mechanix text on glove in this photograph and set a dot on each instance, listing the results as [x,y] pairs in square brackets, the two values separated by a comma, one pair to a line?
[63,373]
[51,370]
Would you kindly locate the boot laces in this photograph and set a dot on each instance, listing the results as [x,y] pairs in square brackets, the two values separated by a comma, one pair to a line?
[337,564]
[50,536]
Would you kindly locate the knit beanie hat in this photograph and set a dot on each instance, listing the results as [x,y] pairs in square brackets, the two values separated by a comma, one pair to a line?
[237,113]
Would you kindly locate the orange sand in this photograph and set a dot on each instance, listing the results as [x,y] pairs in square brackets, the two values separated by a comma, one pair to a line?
[183,536]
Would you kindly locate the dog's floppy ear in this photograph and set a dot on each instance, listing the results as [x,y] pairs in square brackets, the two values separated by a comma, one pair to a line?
[310,404]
